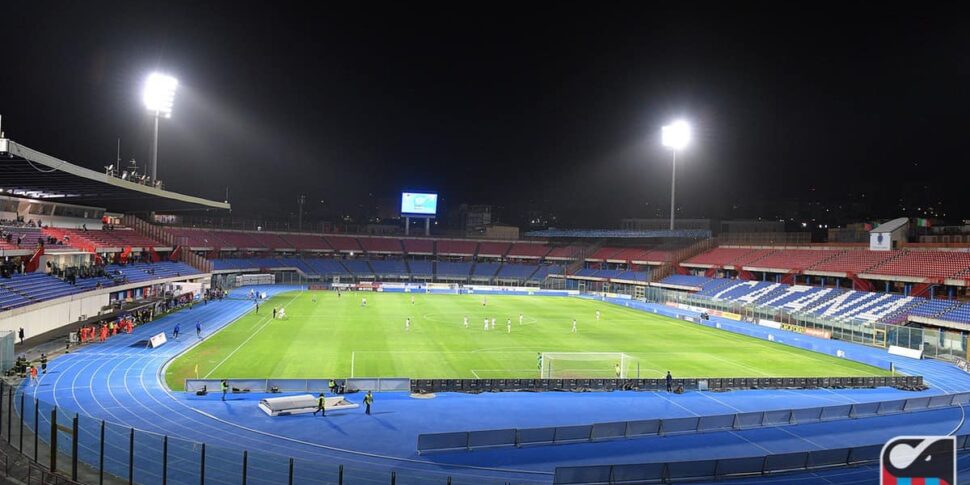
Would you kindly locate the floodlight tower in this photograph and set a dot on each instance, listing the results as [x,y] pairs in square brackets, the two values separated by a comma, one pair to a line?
[675,136]
[158,96]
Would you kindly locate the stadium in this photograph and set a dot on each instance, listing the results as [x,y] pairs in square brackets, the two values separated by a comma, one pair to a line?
[150,334]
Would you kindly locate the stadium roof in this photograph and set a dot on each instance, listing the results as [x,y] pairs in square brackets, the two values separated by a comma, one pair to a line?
[29,173]
[891,226]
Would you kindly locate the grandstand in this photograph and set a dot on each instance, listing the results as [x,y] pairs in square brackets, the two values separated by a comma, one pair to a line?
[806,296]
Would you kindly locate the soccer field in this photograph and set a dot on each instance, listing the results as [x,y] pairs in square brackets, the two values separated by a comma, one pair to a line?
[337,337]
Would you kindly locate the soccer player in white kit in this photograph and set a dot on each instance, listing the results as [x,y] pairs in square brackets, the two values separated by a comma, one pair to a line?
[520,319]
[486,324]
[493,323]
[466,321]
[574,326]
[597,315]
[412,299]
[508,326]
[407,324]
[363,301]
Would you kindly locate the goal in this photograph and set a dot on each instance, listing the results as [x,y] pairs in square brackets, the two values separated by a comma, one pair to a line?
[581,365]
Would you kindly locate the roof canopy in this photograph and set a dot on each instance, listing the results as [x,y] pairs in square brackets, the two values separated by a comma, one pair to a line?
[30,173]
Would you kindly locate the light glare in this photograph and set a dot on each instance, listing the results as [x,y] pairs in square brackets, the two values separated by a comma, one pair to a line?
[159,94]
[676,135]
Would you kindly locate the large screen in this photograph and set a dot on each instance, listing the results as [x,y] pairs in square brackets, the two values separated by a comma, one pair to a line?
[415,203]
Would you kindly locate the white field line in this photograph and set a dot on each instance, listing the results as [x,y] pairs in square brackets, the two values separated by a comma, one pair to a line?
[244,342]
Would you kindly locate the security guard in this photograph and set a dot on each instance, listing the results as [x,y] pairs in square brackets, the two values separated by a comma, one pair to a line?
[43,363]
[368,400]
[321,405]
[225,388]
[333,386]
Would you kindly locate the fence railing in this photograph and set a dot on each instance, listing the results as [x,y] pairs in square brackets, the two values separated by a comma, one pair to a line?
[691,384]
[647,473]
[941,344]
[66,447]
[618,430]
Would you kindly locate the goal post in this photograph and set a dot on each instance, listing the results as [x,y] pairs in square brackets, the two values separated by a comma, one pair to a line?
[581,365]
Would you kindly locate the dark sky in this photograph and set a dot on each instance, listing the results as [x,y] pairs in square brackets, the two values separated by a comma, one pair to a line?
[557,107]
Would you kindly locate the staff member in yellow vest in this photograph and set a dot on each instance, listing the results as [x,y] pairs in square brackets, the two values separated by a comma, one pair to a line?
[321,405]
[368,400]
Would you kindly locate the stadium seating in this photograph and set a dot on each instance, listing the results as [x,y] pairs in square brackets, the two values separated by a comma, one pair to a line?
[926,264]
[98,239]
[270,240]
[381,245]
[196,238]
[260,263]
[418,246]
[528,251]
[719,256]
[493,249]
[853,261]
[485,271]
[240,240]
[795,259]
[544,271]
[422,269]
[393,268]
[449,247]
[602,254]
[959,313]
[613,274]
[28,237]
[327,267]
[343,244]
[359,268]
[452,270]
[563,253]
[516,272]
[305,242]
[686,280]
[933,308]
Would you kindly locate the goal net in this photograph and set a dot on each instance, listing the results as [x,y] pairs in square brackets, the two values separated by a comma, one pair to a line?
[581,365]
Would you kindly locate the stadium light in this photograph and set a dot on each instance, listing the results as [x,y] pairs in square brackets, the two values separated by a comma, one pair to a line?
[159,97]
[675,136]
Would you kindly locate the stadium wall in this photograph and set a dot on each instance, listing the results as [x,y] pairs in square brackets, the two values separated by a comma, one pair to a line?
[52,314]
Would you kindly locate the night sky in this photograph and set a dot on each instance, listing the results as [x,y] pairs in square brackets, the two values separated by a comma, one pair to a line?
[555,109]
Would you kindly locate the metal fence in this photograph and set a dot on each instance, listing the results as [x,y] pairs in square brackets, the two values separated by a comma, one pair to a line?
[940,344]
[354,384]
[511,437]
[421,386]
[63,446]
[646,473]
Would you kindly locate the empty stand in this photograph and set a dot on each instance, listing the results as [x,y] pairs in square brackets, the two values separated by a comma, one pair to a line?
[451,247]
[381,245]
[418,246]
[528,251]
[493,249]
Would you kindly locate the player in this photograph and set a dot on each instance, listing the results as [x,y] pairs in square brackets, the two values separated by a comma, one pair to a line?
[281,314]
[539,362]
[407,324]
[486,324]
[363,301]
[493,323]
[198,329]
[412,299]
[508,326]
[574,326]
[175,331]
[466,321]
[484,300]
[597,315]
[616,368]
[520,319]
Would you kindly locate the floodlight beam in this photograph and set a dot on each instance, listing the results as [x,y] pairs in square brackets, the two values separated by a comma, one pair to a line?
[159,97]
[675,136]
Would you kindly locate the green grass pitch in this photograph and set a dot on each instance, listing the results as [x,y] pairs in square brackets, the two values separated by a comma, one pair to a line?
[338,338]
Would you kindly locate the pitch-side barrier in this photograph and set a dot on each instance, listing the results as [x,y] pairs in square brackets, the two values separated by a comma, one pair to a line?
[618,430]
[673,472]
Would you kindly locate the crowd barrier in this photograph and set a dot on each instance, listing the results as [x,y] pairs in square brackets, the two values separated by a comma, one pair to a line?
[721,469]
[693,384]
[512,437]
[389,384]
[835,348]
